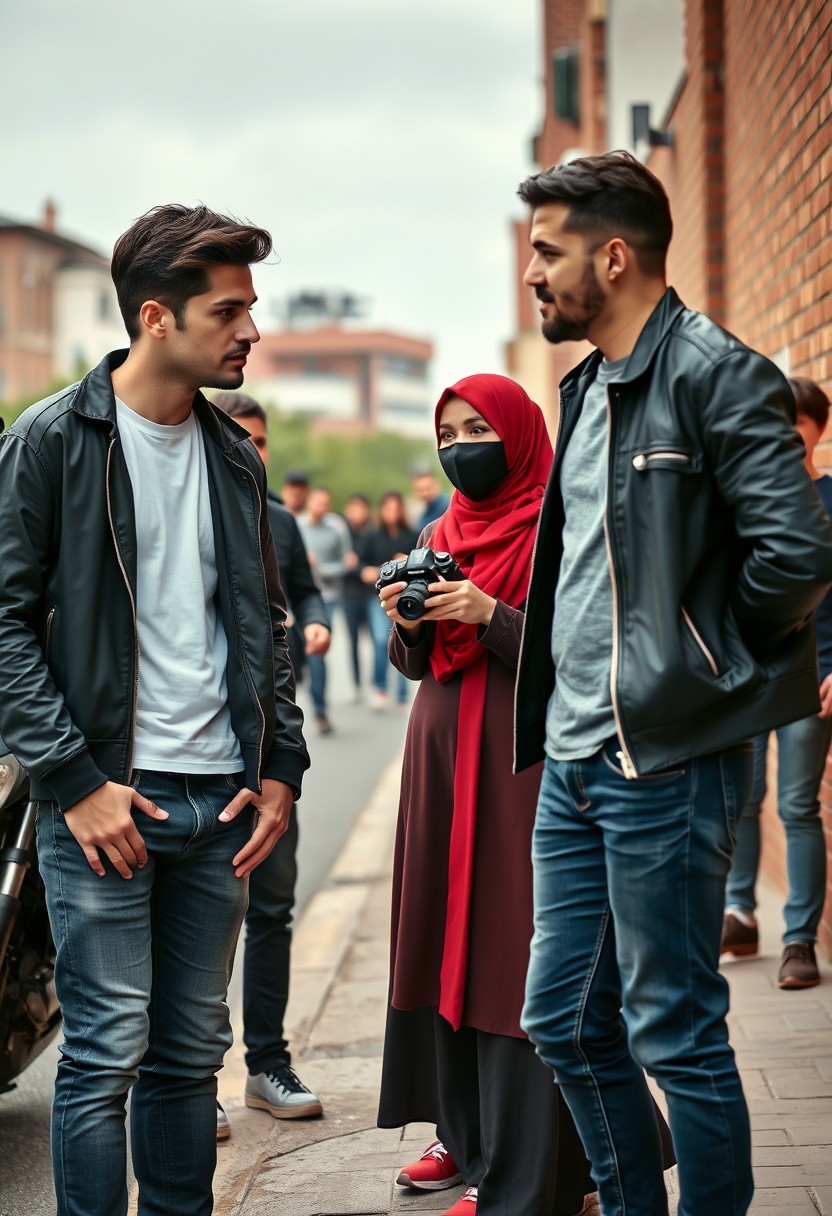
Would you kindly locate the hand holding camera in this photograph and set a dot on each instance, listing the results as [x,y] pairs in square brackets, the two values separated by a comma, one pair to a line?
[430,586]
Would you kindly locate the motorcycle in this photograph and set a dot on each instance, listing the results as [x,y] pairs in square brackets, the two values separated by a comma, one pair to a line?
[29,1010]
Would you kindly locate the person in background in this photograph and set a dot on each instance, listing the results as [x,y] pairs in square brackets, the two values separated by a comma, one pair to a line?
[295,491]
[802,747]
[357,595]
[393,538]
[454,1052]
[328,547]
[434,502]
[272,1084]
[307,629]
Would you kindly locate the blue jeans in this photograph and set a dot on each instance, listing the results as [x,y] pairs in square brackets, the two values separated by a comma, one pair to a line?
[380,633]
[317,673]
[801,758]
[142,974]
[267,953]
[629,883]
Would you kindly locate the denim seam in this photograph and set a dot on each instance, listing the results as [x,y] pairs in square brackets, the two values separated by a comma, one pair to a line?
[714,1091]
[580,783]
[576,1043]
[192,839]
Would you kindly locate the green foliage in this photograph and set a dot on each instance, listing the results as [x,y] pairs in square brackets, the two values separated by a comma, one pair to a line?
[369,463]
[9,410]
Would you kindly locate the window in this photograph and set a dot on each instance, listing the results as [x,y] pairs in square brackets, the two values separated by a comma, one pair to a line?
[566,85]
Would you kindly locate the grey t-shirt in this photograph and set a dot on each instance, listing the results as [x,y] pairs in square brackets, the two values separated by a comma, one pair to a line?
[580,716]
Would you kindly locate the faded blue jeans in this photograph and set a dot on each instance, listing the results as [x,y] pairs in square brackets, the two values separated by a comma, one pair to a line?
[629,884]
[382,668]
[801,758]
[142,974]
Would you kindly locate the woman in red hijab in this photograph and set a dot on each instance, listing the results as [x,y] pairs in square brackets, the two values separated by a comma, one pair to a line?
[454,1052]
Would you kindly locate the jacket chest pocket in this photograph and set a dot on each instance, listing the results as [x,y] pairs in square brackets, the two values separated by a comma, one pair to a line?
[671,457]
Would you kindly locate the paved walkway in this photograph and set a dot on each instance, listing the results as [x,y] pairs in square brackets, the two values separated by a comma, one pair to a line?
[342,1165]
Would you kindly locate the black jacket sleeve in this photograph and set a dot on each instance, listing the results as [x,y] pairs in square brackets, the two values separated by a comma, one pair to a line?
[757,460]
[34,720]
[301,590]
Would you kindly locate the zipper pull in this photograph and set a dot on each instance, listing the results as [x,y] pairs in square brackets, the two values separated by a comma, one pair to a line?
[627,766]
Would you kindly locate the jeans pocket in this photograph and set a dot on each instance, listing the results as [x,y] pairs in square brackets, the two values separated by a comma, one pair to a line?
[235,781]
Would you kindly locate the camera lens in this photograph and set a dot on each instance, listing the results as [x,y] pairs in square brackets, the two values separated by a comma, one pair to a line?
[412,602]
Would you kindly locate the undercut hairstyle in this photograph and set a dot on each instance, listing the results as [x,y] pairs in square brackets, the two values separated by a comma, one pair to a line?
[608,196]
[239,405]
[167,253]
[811,400]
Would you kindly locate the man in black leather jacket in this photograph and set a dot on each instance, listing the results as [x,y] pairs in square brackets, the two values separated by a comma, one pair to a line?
[144,677]
[272,1083]
[681,553]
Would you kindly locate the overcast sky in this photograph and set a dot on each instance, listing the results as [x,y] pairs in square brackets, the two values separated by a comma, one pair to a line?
[381,142]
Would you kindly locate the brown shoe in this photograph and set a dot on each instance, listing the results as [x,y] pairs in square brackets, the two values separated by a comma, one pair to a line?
[799,967]
[738,939]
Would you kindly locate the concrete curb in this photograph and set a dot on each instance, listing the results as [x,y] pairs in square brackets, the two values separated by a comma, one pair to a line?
[321,941]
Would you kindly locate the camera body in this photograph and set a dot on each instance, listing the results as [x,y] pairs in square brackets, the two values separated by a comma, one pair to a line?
[419,569]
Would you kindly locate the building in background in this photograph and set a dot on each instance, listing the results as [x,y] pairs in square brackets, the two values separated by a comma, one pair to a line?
[730,104]
[346,378]
[58,309]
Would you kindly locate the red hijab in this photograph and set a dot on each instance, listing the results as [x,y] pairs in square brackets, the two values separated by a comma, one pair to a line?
[493,541]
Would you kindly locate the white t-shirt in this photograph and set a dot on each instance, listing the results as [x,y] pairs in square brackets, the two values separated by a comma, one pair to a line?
[183,724]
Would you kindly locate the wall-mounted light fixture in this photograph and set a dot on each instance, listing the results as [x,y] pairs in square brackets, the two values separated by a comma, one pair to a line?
[643,132]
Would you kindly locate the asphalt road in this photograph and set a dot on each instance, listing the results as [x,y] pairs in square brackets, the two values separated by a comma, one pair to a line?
[344,771]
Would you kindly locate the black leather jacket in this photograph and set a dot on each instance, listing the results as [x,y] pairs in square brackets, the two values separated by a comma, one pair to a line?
[69,653]
[718,544]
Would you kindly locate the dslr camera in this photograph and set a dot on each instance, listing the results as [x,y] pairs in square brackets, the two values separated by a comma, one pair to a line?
[419,569]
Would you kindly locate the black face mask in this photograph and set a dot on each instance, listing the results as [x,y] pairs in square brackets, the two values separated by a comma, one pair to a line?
[476,469]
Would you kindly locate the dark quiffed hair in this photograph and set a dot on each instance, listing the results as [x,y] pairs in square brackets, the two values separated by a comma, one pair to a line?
[166,254]
[811,400]
[239,405]
[607,196]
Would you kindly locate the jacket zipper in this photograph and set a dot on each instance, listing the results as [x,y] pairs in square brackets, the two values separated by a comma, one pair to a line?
[642,459]
[253,690]
[123,569]
[48,641]
[531,573]
[697,637]
[627,766]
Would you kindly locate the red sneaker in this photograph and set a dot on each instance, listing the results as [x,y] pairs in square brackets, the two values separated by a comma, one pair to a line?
[434,1171]
[466,1206]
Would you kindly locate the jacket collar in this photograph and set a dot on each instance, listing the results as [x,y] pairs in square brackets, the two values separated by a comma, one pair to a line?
[94,398]
[658,323]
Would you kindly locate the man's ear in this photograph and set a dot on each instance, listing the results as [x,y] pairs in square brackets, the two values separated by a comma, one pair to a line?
[618,256]
[155,318]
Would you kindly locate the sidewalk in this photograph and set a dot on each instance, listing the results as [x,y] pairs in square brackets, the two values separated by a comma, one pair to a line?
[342,1165]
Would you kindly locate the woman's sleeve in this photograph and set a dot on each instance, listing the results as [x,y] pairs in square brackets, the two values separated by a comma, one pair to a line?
[503,633]
[410,657]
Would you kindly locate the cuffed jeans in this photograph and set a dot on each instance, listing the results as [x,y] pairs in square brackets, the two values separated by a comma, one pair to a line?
[801,758]
[142,974]
[267,953]
[629,884]
[380,632]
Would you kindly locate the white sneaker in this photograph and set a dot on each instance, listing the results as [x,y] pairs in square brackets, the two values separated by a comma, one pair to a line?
[223,1126]
[379,700]
[282,1094]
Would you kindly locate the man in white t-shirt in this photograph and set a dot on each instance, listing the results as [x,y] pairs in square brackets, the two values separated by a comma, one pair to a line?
[146,685]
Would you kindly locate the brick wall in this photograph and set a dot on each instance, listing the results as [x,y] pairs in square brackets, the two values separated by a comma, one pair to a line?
[750,184]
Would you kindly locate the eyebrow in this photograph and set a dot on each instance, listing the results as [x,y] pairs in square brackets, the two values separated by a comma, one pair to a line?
[234,303]
[547,245]
[465,422]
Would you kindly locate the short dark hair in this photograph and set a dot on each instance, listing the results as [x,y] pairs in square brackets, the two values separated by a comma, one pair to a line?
[166,254]
[240,405]
[609,195]
[358,497]
[811,400]
[295,477]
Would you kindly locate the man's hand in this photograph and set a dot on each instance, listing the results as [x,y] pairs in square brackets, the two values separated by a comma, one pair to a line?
[826,698]
[459,602]
[273,808]
[103,821]
[317,638]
